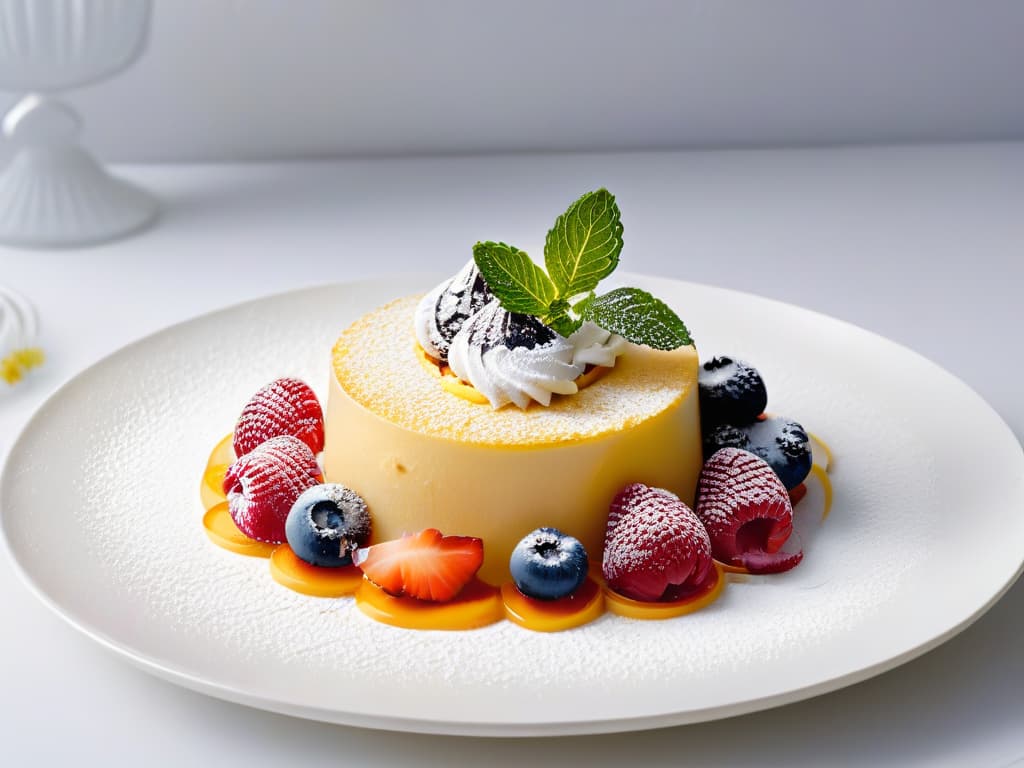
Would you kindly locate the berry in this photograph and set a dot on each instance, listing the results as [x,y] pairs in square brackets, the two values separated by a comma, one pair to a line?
[548,565]
[784,444]
[747,512]
[781,442]
[654,546]
[263,485]
[724,436]
[326,524]
[283,407]
[731,392]
[424,565]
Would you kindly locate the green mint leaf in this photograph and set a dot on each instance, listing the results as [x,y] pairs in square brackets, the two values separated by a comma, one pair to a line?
[639,317]
[563,324]
[519,284]
[584,245]
[580,307]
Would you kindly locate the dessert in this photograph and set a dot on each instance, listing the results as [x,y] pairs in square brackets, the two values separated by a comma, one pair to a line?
[422,456]
[553,433]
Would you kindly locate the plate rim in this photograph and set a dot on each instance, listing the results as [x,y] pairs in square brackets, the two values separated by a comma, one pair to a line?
[174,673]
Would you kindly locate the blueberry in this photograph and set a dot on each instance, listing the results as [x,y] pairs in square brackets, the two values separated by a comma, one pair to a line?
[548,565]
[327,524]
[781,442]
[725,436]
[731,392]
[784,444]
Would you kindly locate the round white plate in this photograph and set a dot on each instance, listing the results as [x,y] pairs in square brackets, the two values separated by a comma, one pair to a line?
[101,514]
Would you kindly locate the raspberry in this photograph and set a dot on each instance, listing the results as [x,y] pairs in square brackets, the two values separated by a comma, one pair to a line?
[655,546]
[283,407]
[263,485]
[747,512]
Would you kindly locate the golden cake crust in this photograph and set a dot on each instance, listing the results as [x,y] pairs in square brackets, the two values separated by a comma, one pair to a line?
[375,363]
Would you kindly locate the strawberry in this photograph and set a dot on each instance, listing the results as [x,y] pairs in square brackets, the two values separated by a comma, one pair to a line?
[263,485]
[747,512]
[283,407]
[424,565]
[654,547]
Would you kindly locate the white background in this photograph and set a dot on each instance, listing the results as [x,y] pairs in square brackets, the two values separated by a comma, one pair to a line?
[251,79]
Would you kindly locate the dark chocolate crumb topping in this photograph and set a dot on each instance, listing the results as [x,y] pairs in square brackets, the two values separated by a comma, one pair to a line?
[466,293]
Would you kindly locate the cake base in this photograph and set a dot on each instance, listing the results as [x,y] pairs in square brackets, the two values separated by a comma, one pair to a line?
[422,457]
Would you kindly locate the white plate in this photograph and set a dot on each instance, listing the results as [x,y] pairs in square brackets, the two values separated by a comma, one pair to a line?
[101,514]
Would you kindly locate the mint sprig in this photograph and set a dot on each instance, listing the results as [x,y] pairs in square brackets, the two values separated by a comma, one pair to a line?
[580,250]
[515,279]
[584,245]
[631,313]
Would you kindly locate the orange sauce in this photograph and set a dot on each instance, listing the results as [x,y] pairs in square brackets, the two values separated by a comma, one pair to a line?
[477,605]
[223,532]
[582,606]
[290,570]
[636,609]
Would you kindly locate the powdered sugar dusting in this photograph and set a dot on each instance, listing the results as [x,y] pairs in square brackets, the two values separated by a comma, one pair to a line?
[653,540]
[129,440]
[285,406]
[736,488]
[376,363]
[262,485]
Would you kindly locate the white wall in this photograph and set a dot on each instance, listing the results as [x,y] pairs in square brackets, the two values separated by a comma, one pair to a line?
[282,78]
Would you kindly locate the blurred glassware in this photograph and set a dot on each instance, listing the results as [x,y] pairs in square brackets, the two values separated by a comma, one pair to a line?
[54,193]
[19,336]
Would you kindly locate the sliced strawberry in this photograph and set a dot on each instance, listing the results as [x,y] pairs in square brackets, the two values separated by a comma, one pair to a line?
[654,545]
[747,512]
[263,485]
[424,565]
[283,407]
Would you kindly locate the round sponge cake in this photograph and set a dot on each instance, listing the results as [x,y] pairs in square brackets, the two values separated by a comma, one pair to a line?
[422,457]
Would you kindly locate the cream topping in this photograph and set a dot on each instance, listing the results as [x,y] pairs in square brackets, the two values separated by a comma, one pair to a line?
[442,312]
[511,358]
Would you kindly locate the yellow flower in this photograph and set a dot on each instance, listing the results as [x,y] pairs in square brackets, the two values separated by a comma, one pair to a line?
[14,366]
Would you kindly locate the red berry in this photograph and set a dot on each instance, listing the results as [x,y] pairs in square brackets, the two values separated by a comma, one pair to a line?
[425,565]
[654,546]
[283,407]
[263,485]
[747,512]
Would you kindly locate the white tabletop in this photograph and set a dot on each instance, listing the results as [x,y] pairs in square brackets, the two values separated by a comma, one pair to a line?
[923,245]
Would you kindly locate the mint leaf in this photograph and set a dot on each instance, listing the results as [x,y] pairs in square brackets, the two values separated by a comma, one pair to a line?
[563,324]
[580,307]
[638,317]
[584,245]
[519,284]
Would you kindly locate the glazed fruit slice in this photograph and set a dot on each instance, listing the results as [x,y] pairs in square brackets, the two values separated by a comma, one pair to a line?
[584,605]
[654,545]
[291,571]
[284,407]
[211,489]
[223,532]
[263,485]
[747,513]
[426,565]
[477,605]
[682,603]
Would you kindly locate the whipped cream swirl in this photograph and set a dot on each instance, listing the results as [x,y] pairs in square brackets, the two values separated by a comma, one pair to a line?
[442,312]
[512,358]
